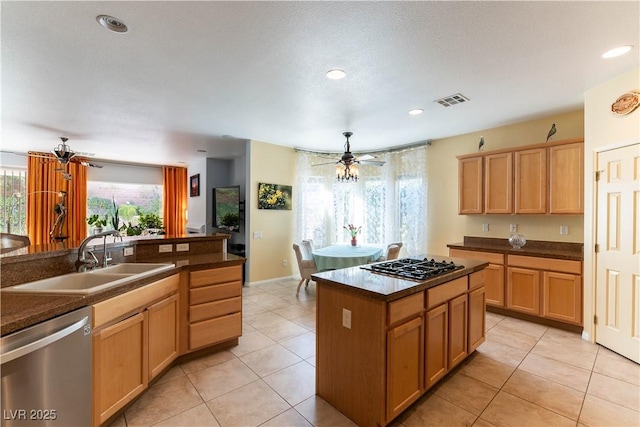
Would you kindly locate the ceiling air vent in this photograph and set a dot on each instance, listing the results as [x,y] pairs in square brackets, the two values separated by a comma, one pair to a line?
[450,100]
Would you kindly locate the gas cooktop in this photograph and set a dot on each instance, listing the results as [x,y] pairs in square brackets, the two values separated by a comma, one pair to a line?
[413,268]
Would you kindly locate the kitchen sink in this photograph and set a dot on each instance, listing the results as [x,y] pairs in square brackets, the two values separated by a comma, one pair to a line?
[89,282]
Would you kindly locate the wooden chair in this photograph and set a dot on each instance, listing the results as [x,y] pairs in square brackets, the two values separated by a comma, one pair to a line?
[392,252]
[306,266]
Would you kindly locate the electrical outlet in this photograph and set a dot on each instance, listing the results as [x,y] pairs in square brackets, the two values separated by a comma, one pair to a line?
[564,229]
[182,247]
[513,228]
[346,318]
[485,227]
[128,252]
[165,248]
[285,262]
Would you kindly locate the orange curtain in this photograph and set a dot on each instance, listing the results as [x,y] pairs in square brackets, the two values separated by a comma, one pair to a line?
[45,187]
[175,200]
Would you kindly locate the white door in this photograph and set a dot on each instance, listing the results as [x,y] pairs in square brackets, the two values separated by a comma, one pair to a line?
[618,257]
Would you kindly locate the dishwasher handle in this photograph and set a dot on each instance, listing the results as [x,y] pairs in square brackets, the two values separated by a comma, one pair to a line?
[42,342]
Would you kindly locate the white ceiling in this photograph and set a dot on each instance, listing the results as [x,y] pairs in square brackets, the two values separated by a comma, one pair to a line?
[210,75]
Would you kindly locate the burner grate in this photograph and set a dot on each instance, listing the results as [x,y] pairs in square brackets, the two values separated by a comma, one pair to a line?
[413,268]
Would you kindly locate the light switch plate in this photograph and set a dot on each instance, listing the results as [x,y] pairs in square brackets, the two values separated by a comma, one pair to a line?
[485,227]
[128,251]
[513,228]
[564,229]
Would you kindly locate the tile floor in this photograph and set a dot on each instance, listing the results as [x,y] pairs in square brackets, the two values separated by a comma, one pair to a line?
[523,375]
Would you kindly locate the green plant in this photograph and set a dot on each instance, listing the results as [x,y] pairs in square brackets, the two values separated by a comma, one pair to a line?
[133,230]
[151,220]
[95,221]
[115,219]
[231,220]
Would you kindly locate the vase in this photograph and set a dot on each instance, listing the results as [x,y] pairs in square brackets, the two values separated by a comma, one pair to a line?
[517,241]
[354,241]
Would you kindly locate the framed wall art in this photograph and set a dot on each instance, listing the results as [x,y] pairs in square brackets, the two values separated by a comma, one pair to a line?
[274,196]
[194,185]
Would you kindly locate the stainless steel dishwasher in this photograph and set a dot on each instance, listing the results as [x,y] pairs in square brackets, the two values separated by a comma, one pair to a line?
[46,373]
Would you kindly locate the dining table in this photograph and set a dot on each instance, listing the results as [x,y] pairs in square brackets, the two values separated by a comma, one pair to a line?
[335,257]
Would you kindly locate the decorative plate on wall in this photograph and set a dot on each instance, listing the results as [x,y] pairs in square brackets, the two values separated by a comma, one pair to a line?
[626,103]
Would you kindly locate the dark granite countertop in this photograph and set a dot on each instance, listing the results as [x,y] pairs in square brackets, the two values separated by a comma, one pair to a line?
[21,310]
[388,288]
[536,248]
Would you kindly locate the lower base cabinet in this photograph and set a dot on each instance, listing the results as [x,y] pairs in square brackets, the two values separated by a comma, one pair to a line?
[163,334]
[523,290]
[437,342]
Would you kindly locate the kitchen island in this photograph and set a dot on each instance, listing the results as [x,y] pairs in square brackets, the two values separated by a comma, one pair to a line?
[383,341]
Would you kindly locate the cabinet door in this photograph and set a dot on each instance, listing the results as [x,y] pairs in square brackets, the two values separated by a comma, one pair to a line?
[470,185]
[436,344]
[498,197]
[457,348]
[562,297]
[476,319]
[404,365]
[523,290]
[119,366]
[494,285]
[163,334]
[566,179]
[531,181]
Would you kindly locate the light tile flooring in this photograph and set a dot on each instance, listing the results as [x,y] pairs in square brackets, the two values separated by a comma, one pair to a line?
[523,375]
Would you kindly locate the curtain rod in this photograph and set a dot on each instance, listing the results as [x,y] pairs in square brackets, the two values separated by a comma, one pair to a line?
[397,149]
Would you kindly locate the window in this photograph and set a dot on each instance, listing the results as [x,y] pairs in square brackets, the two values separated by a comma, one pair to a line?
[13,201]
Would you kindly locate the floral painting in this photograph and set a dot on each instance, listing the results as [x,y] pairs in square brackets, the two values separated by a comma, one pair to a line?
[274,196]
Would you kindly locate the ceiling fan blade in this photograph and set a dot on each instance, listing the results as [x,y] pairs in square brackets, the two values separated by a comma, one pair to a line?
[371,162]
[89,164]
[364,157]
[42,156]
[329,163]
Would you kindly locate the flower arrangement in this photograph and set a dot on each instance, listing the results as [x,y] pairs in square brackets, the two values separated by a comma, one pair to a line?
[353,230]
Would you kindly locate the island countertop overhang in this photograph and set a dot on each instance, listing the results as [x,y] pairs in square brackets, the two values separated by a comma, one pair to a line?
[388,288]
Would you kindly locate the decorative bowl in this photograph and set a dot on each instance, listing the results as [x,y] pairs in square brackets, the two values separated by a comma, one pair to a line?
[517,241]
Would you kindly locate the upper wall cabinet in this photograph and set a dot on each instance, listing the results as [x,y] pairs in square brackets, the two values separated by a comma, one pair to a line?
[535,179]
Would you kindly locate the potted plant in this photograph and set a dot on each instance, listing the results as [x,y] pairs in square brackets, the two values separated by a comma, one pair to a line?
[96,223]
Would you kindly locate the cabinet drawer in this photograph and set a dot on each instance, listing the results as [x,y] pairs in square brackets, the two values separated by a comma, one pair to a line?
[215,330]
[215,275]
[476,279]
[445,292]
[480,256]
[215,292]
[549,264]
[113,308]
[213,309]
[405,307]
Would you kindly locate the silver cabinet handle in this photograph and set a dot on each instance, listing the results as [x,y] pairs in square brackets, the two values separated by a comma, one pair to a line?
[42,342]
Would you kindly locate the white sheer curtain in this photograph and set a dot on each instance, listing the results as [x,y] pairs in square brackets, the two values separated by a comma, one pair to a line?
[389,202]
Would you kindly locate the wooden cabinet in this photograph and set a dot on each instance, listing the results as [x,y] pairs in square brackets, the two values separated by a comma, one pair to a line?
[562,297]
[523,290]
[215,306]
[457,347]
[470,184]
[498,182]
[163,334]
[542,178]
[134,338]
[437,333]
[477,310]
[531,181]
[404,365]
[546,287]
[566,179]
[494,273]
[119,366]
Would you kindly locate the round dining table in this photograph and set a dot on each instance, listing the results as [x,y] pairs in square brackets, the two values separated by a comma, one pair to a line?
[335,257]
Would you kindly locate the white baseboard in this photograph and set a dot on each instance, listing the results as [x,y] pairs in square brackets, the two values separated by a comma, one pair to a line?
[585,336]
[277,279]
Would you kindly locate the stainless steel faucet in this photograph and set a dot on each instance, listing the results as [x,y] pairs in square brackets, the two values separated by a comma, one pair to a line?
[83,263]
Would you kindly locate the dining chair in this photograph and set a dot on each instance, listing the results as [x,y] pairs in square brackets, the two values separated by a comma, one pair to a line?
[306,266]
[392,252]
[307,249]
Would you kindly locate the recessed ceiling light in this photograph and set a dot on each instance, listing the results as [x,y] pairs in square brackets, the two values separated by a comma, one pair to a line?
[336,74]
[112,24]
[416,111]
[618,51]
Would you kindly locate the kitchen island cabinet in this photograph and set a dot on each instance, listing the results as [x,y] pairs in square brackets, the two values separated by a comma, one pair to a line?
[382,342]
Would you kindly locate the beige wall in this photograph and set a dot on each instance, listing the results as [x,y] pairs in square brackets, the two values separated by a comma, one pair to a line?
[273,164]
[444,225]
[603,130]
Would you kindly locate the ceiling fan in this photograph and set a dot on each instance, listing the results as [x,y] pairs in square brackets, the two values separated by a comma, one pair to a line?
[346,168]
[64,155]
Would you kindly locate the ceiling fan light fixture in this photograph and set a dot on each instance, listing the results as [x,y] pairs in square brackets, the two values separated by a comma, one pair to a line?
[618,51]
[416,111]
[336,74]
[346,172]
[112,24]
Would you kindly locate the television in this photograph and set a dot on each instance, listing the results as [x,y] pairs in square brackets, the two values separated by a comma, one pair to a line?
[226,208]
